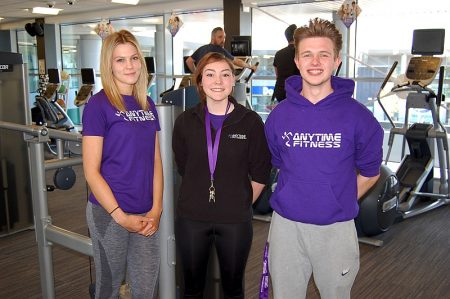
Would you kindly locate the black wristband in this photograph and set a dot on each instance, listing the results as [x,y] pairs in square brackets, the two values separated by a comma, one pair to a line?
[114,210]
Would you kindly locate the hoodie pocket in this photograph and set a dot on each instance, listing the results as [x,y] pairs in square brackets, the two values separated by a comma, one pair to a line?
[309,202]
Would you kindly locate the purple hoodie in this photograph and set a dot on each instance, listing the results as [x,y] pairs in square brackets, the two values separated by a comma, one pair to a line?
[319,148]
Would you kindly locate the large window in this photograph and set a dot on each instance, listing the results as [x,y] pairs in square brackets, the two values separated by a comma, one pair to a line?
[27,47]
[384,35]
[81,45]
[195,32]
[381,35]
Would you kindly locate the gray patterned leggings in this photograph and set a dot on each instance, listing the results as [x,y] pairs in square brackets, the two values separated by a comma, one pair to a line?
[117,251]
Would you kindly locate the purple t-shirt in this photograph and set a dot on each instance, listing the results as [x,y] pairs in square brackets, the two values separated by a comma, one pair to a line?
[217,120]
[128,149]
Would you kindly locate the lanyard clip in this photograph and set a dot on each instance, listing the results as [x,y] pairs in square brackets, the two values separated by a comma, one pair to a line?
[212,192]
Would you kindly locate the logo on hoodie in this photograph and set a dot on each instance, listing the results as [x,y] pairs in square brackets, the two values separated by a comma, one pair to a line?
[312,140]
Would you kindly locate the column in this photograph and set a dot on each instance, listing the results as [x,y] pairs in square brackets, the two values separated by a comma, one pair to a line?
[345,68]
[52,45]
[89,48]
[236,21]
[163,57]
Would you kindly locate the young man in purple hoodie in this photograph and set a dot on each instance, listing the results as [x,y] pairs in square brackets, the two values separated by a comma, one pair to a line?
[328,148]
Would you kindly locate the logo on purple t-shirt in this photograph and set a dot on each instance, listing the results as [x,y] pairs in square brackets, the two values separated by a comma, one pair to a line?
[136,115]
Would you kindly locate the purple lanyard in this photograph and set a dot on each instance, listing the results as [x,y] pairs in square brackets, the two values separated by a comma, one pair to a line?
[213,150]
[264,284]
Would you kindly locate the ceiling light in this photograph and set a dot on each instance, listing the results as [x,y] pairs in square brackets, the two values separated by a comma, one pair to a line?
[1,18]
[153,20]
[46,10]
[131,2]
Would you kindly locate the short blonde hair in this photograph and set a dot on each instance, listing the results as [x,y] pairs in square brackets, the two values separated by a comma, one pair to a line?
[109,85]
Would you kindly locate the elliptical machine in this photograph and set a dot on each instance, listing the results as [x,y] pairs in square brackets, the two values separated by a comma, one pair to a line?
[410,191]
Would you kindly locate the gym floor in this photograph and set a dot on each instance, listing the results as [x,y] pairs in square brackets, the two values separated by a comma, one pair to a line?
[413,263]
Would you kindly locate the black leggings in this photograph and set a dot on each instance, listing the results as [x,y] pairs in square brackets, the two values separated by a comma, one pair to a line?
[232,241]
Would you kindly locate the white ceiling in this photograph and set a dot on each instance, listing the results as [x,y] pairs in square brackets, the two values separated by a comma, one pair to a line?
[18,12]
[13,10]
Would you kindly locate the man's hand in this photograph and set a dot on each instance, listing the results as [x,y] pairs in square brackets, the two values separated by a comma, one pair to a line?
[253,67]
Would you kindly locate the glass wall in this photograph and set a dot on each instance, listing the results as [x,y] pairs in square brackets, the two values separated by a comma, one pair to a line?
[381,35]
[384,35]
[81,47]
[378,38]
[195,32]
[26,45]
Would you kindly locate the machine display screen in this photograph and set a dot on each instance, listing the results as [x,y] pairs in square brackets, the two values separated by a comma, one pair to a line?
[240,48]
[88,76]
[242,44]
[53,76]
[150,63]
[428,41]
[185,66]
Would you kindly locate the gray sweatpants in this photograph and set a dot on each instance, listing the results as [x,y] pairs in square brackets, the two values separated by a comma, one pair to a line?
[297,250]
[116,252]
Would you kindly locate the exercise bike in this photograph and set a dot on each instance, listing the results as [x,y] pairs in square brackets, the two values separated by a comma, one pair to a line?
[51,114]
[410,191]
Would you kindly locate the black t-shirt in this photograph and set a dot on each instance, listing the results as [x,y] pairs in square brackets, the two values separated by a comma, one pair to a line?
[284,62]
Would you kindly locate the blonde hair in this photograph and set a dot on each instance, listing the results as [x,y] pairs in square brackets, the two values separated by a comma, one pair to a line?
[319,28]
[109,84]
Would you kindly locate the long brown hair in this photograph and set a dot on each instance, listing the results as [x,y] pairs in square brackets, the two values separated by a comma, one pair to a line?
[198,76]
[106,74]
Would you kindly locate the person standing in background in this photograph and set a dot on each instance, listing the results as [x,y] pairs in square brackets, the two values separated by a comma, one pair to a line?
[122,165]
[284,64]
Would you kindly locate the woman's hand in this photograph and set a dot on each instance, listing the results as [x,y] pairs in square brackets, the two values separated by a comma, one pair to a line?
[132,223]
[154,215]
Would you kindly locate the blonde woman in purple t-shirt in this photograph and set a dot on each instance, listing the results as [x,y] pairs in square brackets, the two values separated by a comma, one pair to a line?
[122,164]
